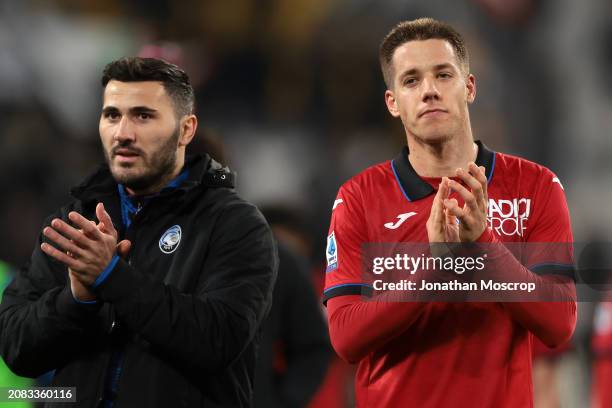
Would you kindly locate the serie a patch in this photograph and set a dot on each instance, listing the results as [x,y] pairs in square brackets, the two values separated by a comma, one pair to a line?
[331,253]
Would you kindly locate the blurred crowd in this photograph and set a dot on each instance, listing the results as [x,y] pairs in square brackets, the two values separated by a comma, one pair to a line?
[290,96]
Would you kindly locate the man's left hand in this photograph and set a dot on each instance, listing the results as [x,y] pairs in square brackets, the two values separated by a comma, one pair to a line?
[87,248]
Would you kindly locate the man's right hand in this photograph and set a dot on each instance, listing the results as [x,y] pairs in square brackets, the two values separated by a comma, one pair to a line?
[79,290]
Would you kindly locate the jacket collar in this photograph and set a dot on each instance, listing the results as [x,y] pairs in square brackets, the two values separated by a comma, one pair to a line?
[415,188]
[203,170]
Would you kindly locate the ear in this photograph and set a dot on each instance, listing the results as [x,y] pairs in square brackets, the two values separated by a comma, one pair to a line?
[188,127]
[391,103]
[471,88]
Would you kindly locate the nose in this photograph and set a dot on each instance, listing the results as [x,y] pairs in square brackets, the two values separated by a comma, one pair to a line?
[125,132]
[429,90]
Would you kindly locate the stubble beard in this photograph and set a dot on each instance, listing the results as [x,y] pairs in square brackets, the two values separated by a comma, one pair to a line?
[157,166]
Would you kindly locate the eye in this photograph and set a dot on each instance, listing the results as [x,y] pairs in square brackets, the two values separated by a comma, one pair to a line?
[410,81]
[111,115]
[144,116]
[444,75]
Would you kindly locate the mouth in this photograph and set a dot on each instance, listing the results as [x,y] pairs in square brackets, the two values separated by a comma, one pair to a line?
[125,155]
[432,113]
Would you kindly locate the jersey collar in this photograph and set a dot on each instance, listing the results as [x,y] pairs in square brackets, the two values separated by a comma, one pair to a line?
[415,188]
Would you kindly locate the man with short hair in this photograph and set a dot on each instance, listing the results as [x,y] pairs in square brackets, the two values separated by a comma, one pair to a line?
[148,289]
[445,189]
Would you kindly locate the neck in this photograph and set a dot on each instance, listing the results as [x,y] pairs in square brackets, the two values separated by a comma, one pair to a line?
[441,159]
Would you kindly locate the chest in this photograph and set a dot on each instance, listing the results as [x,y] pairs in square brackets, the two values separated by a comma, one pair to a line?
[391,217]
[169,243]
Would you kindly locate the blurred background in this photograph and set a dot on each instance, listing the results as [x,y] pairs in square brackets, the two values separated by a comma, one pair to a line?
[290,96]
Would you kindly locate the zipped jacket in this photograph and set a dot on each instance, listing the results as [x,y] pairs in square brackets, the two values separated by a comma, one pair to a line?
[183,311]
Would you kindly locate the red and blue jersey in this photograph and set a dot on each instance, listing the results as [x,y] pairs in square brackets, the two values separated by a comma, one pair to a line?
[447,354]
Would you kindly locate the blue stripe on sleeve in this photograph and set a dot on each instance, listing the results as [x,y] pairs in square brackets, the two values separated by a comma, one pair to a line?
[102,277]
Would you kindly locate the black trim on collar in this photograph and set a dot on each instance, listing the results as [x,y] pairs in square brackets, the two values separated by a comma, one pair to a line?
[415,188]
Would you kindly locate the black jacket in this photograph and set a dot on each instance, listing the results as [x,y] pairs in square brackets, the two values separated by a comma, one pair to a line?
[186,323]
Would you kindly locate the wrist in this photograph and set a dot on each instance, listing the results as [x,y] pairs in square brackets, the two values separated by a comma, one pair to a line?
[106,272]
[80,292]
[84,300]
[486,237]
[68,306]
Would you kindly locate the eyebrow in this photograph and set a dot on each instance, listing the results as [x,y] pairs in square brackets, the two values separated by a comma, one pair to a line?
[136,110]
[437,67]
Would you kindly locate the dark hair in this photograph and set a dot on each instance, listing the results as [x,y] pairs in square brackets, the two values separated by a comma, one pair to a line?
[137,69]
[418,30]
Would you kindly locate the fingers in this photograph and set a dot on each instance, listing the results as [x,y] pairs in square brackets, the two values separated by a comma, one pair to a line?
[84,247]
[123,248]
[59,255]
[484,182]
[78,238]
[474,177]
[443,188]
[85,229]
[435,223]
[476,197]
[435,206]
[105,220]
[466,195]
[437,209]
[479,174]
[73,234]
[89,228]
[474,185]
[453,209]
[451,216]
[62,242]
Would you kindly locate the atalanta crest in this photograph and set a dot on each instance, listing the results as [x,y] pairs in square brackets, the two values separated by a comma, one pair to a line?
[170,239]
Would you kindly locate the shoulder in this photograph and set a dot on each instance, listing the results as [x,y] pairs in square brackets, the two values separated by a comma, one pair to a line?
[358,190]
[515,166]
[521,176]
[230,210]
[528,182]
[369,179]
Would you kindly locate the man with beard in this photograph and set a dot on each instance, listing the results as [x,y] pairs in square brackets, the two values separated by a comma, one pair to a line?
[150,287]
